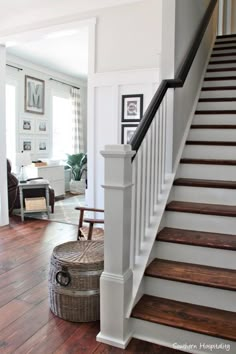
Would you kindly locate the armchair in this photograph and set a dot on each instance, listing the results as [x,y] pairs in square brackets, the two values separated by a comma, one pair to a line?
[14,194]
[90,231]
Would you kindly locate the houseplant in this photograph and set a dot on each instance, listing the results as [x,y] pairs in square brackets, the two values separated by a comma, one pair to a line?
[78,165]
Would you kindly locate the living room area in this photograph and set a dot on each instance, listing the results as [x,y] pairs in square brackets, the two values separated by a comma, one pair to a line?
[46,112]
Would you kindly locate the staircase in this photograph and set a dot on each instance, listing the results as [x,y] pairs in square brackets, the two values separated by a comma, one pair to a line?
[189,300]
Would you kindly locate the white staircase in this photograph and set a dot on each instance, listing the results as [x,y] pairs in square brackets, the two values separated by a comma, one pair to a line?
[189,300]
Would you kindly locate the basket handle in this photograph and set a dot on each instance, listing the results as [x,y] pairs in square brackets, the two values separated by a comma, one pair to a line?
[63,278]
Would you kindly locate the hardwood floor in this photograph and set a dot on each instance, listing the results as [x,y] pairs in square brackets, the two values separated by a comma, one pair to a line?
[26,323]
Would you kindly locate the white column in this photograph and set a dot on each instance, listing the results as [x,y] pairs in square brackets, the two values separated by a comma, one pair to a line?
[228,16]
[117,279]
[4,219]
[220,17]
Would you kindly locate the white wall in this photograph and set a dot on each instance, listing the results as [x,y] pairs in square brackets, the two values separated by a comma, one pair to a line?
[129,37]
[24,14]
[128,46]
[104,117]
[41,73]
[188,15]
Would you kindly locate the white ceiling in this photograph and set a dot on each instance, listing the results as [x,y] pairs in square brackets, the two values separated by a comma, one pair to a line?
[65,51]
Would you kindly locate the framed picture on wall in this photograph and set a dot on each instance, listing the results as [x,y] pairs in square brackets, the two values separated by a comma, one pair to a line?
[26,125]
[132,108]
[41,126]
[42,145]
[34,95]
[127,131]
[27,143]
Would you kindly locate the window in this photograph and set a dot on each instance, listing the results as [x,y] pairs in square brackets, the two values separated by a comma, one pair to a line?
[62,125]
[11,122]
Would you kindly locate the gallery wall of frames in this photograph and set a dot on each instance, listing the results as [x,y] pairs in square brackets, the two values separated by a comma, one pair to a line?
[33,124]
[33,104]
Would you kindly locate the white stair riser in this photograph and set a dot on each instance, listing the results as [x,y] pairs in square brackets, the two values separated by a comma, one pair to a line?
[212,134]
[216,83]
[231,41]
[224,47]
[204,195]
[223,57]
[221,73]
[216,172]
[221,39]
[189,342]
[214,119]
[193,294]
[218,93]
[217,106]
[212,65]
[203,222]
[211,257]
[210,152]
[216,50]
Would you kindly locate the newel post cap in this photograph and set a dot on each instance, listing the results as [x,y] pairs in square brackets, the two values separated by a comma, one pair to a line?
[122,150]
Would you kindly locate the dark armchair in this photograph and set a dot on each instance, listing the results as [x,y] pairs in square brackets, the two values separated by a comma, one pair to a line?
[14,195]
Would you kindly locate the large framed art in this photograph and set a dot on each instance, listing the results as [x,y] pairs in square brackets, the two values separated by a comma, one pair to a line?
[34,95]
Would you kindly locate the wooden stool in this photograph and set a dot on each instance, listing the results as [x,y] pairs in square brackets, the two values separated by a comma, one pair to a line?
[74,280]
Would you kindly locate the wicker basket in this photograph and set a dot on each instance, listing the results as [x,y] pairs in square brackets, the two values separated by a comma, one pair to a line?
[74,280]
[38,203]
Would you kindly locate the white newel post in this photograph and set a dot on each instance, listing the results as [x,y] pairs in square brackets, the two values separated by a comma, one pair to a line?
[117,279]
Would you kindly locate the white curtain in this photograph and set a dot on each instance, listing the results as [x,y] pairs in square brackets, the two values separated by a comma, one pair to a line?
[77,122]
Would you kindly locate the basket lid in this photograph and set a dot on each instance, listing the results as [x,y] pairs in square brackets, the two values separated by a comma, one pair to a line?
[80,253]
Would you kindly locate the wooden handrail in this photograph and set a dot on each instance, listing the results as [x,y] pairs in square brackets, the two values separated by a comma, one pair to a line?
[178,81]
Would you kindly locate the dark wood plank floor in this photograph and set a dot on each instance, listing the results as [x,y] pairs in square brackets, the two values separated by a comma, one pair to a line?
[26,322]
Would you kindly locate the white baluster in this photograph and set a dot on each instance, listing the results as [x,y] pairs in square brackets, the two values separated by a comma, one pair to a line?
[148,173]
[143,192]
[156,190]
[153,128]
[133,214]
[138,211]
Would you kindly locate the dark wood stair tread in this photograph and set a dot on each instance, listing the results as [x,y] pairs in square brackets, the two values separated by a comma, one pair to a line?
[224,48]
[215,70]
[215,143]
[218,99]
[220,78]
[202,208]
[208,161]
[190,317]
[197,238]
[219,88]
[216,111]
[225,36]
[207,183]
[192,273]
[217,62]
[213,126]
[223,55]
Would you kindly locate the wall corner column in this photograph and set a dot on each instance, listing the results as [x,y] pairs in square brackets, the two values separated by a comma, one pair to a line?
[4,218]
